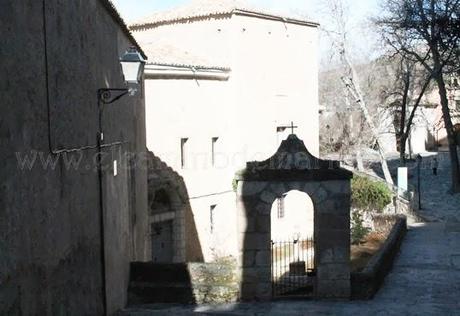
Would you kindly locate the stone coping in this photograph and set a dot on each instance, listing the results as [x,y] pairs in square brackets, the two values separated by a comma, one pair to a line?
[293,162]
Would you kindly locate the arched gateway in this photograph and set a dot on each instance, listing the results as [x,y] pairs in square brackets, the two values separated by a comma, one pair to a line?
[292,167]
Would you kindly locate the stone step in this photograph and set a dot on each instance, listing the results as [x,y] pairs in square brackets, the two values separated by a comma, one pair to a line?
[149,272]
[148,293]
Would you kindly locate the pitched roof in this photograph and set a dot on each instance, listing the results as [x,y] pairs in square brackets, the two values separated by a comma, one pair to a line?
[203,9]
[110,7]
[163,53]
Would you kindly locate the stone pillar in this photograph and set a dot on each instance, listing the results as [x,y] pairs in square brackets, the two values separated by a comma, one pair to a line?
[332,238]
[254,242]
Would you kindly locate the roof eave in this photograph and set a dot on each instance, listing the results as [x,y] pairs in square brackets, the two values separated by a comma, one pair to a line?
[275,17]
[110,7]
[175,71]
[249,13]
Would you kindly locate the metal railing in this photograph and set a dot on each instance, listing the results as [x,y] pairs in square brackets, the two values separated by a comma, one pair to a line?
[293,268]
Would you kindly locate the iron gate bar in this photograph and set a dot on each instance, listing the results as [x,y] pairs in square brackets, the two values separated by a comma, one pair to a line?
[292,264]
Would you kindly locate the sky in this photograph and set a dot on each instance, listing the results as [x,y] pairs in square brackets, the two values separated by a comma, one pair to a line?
[135,9]
[362,40]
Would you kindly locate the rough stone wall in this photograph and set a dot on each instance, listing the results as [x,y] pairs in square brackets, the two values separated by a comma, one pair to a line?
[214,283]
[331,200]
[50,262]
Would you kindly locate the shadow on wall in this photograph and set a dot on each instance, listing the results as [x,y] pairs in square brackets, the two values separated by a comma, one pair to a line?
[172,241]
[169,202]
[176,272]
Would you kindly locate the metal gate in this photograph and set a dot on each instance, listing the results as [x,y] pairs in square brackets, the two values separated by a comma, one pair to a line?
[293,269]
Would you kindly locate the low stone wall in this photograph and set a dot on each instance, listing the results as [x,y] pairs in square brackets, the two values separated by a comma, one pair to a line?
[214,283]
[366,283]
[406,205]
[384,222]
[408,208]
[185,283]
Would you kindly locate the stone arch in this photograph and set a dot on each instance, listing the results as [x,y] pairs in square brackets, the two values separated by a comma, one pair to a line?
[292,217]
[160,202]
[292,167]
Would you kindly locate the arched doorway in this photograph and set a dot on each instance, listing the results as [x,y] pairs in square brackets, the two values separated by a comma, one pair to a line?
[168,201]
[292,217]
[292,167]
[161,227]
[292,245]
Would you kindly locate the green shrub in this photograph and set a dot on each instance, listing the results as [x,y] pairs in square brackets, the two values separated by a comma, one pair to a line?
[358,230]
[234,184]
[369,195]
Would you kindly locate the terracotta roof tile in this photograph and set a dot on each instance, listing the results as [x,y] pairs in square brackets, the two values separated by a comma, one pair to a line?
[209,8]
[162,52]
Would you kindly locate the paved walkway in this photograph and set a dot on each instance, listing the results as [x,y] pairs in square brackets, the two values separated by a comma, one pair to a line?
[425,279]
[437,202]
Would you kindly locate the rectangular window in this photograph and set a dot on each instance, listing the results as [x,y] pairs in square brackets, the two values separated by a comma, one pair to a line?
[212,214]
[183,153]
[281,206]
[213,150]
[457,105]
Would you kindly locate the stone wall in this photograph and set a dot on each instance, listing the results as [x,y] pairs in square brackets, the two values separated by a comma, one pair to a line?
[366,283]
[214,283]
[186,283]
[50,239]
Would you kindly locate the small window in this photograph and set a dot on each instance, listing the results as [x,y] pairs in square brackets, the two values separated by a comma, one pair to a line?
[457,105]
[213,150]
[281,206]
[282,132]
[212,214]
[280,129]
[183,152]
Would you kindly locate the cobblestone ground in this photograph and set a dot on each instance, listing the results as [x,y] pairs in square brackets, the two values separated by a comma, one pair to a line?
[425,279]
[437,202]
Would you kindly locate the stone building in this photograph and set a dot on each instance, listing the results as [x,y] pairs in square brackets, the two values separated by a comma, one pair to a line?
[55,55]
[223,82]
[428,132]
[438,130]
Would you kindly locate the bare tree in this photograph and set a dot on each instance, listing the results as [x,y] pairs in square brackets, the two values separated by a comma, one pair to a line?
[427,31]
[350,78]
[343,129]
[404,95]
